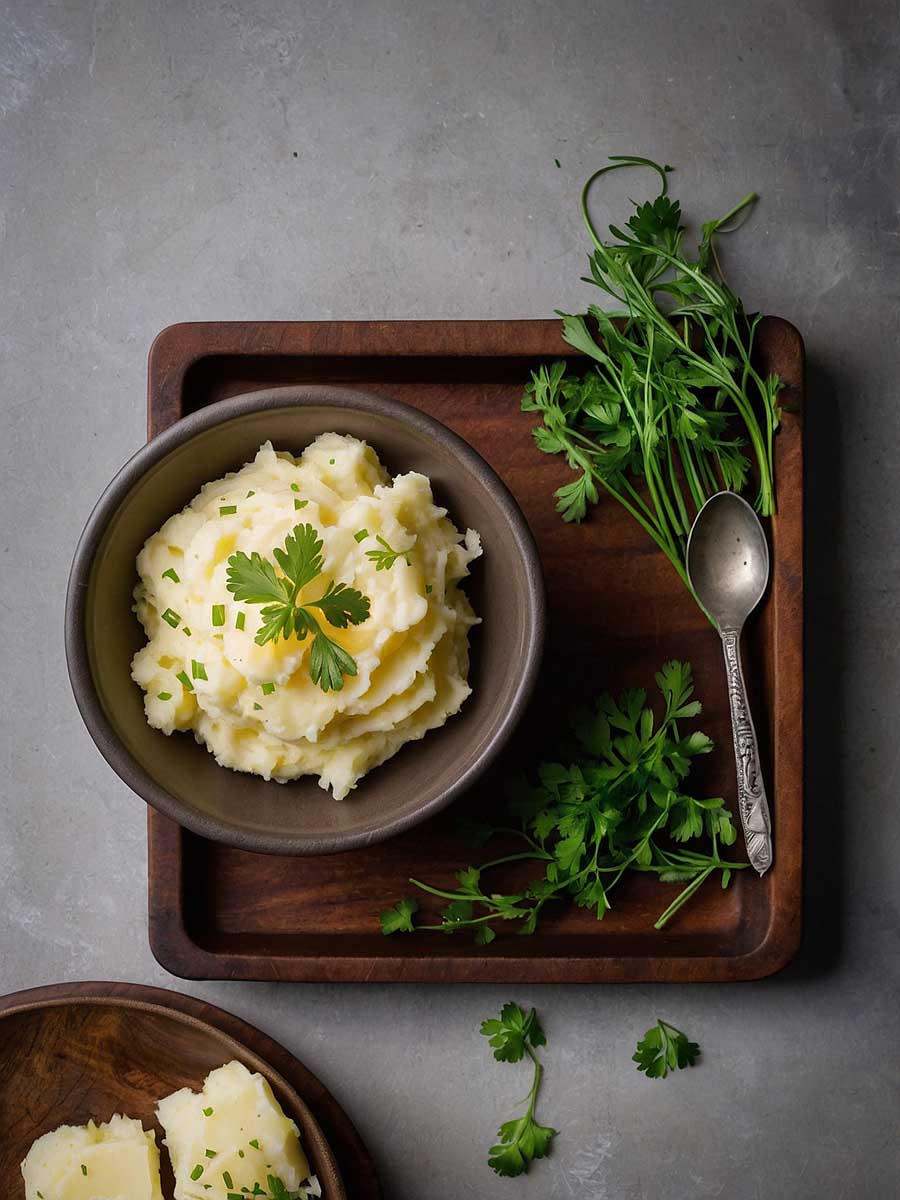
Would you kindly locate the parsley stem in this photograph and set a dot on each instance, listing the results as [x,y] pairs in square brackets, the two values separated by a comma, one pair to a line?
[683,897]
[525,855]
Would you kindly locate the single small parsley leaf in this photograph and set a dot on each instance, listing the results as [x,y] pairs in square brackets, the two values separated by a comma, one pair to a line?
[664,1048]
[253,579]
[512,1032]
[399,919]
[385,558]
[342,605]
[329,663]
[301,558]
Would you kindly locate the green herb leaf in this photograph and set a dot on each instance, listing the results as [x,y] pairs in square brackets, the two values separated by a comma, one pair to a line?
[218,615]
[399,919]
[172,574]
[226,510]
[185,681]
[171,618]
[164,696]
[664,1048]
[385,558]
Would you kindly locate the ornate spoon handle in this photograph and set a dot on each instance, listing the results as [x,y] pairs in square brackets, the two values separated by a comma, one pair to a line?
[752,803]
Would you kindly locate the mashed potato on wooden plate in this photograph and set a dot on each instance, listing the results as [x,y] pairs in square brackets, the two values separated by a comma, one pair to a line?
[258,707]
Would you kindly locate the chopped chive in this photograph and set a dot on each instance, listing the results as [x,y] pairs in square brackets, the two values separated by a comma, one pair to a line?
[239,620]
[257,707]
[249,494]
[198,671]
[172,574]
[208,1112]
[428,589]
[210,1153]
[331,462]
[219,636]
[187,632]
[218,614]
[300,504]
[361,534]
[268,689]
[197,1171]
[171,618]
[295,487]
[83,1169]
[254,1143]
[182,678]
[227,1179]
[164,696]
[240,1154]
[225,510]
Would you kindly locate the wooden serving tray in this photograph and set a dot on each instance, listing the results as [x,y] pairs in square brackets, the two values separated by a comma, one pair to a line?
[617,612]
[70,1052]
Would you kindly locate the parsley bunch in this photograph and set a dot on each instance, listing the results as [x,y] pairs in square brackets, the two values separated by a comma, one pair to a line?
[513,1036]
[672,408]
[254,580]
[587,822]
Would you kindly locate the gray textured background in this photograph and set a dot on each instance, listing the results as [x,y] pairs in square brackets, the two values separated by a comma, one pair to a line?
[173,160]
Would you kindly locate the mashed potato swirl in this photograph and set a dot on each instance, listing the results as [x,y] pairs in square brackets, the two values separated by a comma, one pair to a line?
[412,653]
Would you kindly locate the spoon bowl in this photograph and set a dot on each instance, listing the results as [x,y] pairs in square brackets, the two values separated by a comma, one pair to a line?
[728,559]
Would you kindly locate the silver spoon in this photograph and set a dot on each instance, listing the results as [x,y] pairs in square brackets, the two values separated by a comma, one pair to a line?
[728,566]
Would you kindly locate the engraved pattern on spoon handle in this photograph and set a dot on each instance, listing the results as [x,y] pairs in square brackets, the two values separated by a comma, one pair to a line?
[752,803]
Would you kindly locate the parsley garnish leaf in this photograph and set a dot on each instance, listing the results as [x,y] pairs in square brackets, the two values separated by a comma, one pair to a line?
[342,605]
[399,919]
[253,579]
[513,1036]
[385,558]
[664,1048]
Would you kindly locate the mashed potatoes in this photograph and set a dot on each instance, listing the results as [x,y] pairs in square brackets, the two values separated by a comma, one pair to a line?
[115,1161]
[257,707]
[229,1137]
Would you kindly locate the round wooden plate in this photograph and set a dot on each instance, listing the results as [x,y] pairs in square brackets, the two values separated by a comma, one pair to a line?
[70,1052]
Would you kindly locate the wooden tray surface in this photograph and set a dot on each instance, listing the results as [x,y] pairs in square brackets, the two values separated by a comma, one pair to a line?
[82,1050]
[617,612]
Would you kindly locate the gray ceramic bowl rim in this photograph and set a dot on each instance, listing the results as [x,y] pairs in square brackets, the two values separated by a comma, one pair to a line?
[77,660]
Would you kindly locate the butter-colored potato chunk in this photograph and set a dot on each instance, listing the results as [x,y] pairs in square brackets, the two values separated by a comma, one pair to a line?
[115,1161]
[230,1136]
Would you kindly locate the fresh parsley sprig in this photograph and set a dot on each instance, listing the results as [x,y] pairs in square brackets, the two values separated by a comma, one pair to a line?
[254,579]
[664,1048]
[672,403]
[619,806]
[513,1036]
[385,558]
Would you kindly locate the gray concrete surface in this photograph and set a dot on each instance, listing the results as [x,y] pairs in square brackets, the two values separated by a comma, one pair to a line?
[182,159]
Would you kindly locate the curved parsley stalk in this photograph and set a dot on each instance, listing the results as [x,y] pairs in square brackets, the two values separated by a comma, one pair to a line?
[253,579]
[673,401]
[586,823]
